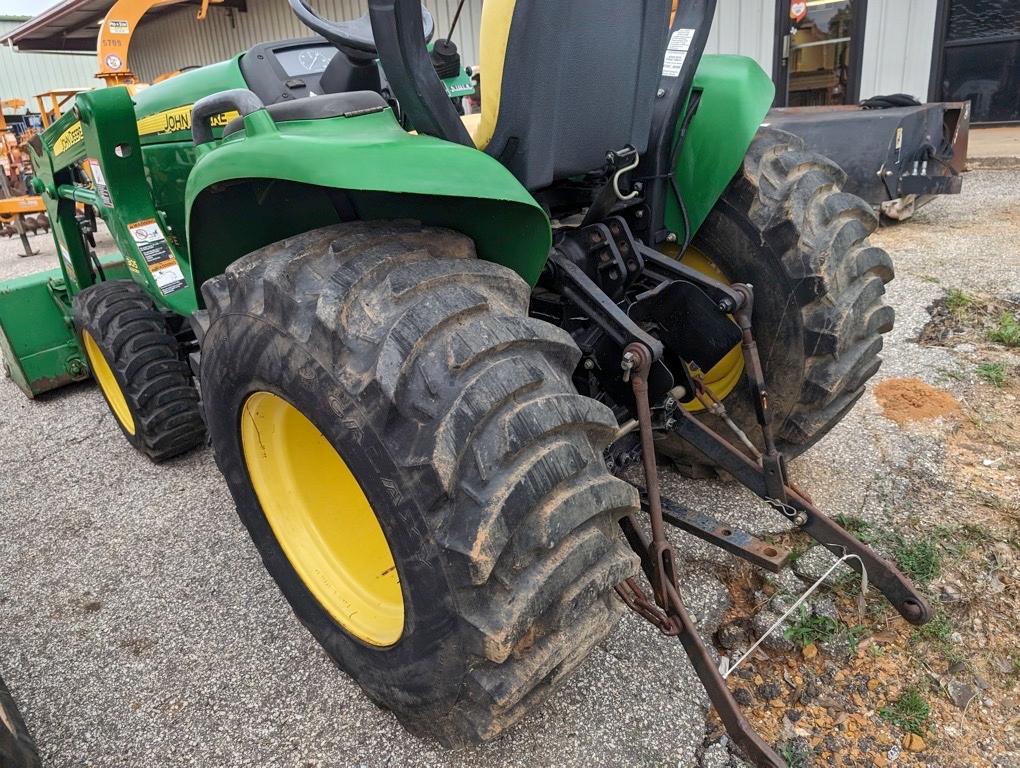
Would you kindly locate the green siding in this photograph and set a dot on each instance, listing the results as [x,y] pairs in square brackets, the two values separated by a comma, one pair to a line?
[23,75]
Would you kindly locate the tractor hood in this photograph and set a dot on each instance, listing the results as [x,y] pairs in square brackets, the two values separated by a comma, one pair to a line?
[164,110]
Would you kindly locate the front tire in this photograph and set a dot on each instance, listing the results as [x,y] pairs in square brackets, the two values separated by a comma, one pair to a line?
[785,226]
[419,369]
[137,363]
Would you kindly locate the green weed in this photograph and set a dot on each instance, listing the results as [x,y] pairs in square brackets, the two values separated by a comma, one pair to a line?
[993,373]
[957,301]
[796,753]
[939,628]
[952,653]
[920,559]
[858,526]
[854,635]
[807,628]
[1006,331]
[909,712]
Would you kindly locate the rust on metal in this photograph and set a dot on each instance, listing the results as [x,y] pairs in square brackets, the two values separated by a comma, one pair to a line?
[640,358]
[771,557]
[739,729]
[658,561]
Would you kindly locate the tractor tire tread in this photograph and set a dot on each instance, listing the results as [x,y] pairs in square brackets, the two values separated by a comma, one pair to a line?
[477,400]
[145,359]
[798,197]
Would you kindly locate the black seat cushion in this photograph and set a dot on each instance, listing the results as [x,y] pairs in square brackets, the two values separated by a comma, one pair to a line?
[317,108]
[563,106]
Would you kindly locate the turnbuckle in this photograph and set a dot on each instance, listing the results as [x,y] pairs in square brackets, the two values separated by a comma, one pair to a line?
[772,461]
[637,362]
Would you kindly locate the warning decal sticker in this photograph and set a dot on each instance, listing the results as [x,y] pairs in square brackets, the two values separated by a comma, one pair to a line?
[157,254]
[100,181]
[676,52]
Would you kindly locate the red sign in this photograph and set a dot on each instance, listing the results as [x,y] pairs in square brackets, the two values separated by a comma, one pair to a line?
[798,9]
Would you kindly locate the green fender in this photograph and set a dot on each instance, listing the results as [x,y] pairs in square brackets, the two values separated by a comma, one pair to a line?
[270,181]
[736,94]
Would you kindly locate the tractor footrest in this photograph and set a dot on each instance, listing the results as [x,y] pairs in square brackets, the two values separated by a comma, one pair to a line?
[771,557]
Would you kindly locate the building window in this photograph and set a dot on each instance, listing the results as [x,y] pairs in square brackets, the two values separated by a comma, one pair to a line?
[980,59]
[820,54]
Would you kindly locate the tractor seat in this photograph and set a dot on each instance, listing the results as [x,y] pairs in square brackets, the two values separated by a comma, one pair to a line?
[317,108]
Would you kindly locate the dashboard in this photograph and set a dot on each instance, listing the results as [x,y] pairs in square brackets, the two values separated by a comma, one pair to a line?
[305,60]
[287,69]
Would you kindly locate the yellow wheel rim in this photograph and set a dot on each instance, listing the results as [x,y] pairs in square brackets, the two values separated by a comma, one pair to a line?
[322,519]
[107,383]
[724,375]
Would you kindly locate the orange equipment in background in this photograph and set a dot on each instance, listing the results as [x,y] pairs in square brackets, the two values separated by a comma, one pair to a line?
[115,35]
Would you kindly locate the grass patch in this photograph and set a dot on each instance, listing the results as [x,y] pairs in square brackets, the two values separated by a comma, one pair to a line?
[854,635]
[919,559]
[951,374]
[909,712]
[993,373]
[796,553]
[958,301]
[806,628]
[1006,331]
[796,753]
[858,526]
[939,628]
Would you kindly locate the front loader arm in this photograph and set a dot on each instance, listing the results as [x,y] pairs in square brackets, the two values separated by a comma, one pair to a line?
[93,156]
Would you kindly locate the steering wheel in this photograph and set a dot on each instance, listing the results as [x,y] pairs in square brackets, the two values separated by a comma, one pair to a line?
[353,35]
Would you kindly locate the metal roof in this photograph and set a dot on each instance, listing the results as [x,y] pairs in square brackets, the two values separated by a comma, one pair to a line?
[73,25]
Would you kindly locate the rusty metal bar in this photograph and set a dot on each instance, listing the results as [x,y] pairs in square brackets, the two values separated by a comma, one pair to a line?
[658,561]
[754,747]
[882,573]
[771,557]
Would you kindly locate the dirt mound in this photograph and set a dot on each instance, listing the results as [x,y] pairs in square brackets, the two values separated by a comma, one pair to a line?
[906,400]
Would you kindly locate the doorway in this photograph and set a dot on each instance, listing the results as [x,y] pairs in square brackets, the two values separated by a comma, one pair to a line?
[818,53]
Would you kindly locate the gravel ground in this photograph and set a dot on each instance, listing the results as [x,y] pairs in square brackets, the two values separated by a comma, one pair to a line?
[138,627]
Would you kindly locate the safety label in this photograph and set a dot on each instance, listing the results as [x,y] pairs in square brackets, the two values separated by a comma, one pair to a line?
[157,254]
[119,27]
[102,190]
[676,52]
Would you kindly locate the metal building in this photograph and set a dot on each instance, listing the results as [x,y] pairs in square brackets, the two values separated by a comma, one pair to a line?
[817,51]
[23,75]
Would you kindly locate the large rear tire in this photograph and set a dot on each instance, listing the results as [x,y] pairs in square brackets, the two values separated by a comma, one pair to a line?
[784,226]
[415,369]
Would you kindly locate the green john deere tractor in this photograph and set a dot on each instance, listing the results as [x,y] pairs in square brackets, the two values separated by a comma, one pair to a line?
[424,345]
